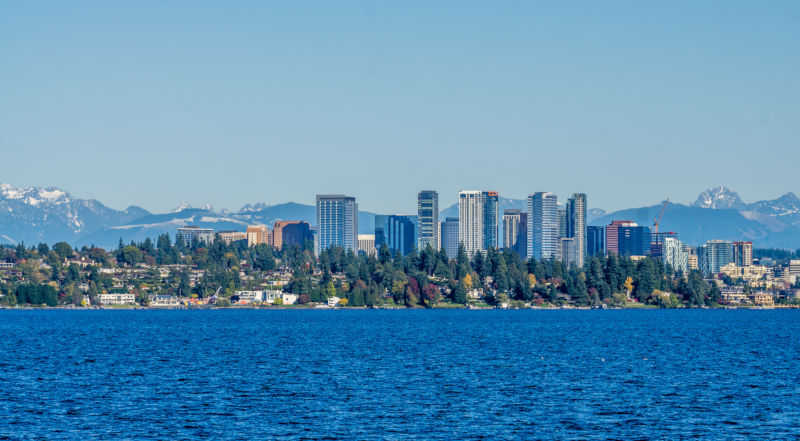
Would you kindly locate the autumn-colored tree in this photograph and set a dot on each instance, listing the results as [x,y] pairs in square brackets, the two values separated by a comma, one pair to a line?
[467,282]
[531,281]
[628,285]
[431,294]
[410,298]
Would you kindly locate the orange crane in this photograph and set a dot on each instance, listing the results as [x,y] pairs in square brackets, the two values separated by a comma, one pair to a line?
[657,220]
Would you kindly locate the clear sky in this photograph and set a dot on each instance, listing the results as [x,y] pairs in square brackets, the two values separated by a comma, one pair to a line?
[232,102]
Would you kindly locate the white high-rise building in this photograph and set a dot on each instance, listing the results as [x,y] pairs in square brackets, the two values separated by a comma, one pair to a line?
[675,254]
[471,221]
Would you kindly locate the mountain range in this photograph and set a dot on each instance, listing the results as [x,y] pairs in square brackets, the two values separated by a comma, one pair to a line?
[50,215]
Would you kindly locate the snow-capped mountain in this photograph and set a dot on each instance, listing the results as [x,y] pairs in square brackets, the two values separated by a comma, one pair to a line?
[719,198]
[51,214]
[785,206]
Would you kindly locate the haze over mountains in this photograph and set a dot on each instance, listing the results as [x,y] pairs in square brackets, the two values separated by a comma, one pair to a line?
[50,215]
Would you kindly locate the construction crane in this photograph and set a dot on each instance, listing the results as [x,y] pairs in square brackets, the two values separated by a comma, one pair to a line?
[657,220]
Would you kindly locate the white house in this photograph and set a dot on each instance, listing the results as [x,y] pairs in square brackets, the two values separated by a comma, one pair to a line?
[117,299]
[164,301]
[268,296]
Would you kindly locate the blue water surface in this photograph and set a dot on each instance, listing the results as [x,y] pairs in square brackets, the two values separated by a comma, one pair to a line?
[407,374]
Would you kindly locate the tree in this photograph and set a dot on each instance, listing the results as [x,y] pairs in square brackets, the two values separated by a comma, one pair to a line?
[410,298]
[62,249]
[460,294]
[431,294]
[131,255]
[467,282]
[330,290]
[628,285]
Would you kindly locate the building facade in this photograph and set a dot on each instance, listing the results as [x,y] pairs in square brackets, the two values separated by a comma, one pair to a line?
[190,233]
[576,225]
[450,236]
[337,222]
[471,219]
[633,240]
[289,233]
[595,241]
[428,219]
[515,231]
[713,255]
[674,254]
[612,234]
[380,230]
[542,226]
[491,204]
[401,233]
[366,244]
[257,234]
[743,253]
[568,251]
[232,236]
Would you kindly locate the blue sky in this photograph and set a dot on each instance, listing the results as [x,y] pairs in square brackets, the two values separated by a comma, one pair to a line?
[152,103]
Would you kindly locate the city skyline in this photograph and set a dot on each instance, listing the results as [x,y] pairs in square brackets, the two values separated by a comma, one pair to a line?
[113,94]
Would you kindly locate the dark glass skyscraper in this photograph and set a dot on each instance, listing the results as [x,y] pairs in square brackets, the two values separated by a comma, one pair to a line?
[633,241]
[401,233]
[428,219]
[491,203]
[576,225]
[450,236]
[380,230]
[515,231]
[595,241]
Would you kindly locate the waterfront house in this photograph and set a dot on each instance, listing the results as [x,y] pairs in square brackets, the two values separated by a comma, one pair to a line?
[116,298]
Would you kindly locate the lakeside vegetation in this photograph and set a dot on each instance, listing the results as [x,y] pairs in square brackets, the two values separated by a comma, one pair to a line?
[61,275]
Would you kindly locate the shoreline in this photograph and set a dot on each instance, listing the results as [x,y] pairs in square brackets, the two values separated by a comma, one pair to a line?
[356,308]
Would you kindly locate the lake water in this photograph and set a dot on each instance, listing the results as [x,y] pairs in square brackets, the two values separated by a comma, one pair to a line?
[421,374]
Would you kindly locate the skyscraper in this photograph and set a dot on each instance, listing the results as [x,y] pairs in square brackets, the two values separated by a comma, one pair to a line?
[543,226]
[450,236]
[562,222]
[380,230]
[674,254]
[595,241]
[428,219]
[337,220]
[515,231]
[633,240]
[567,251]
[576,225]
[491,202]
[713,255]
[471,219]
[743,253]
[401,233]
[612,234]
[289,233]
